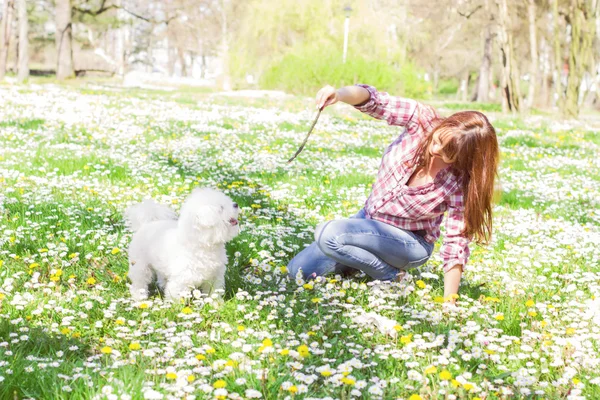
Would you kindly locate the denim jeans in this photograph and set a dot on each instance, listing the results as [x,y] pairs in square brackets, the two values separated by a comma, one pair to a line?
[378,249]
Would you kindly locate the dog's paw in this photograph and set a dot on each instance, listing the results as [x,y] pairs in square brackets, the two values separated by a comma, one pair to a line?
[139,294]
[216,301]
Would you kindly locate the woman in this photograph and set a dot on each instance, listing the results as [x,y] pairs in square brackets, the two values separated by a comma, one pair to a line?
[436,166]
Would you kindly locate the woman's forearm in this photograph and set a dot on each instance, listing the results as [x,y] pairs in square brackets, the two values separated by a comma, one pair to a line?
[353,95]
[452,281]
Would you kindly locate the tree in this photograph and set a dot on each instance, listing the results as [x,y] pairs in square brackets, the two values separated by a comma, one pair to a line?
[5,32]
[483,84]
[510,84]
[533,66]
[23,63]
[558,60]
[582,17]
[64,49]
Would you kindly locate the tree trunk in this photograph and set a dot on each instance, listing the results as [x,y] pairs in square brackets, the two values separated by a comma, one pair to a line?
[483,88]
[23,64]
[492,84]
[225,47]
[510,84]
[464,85]
[582,15]
[533,67]
[436,75]
[181,56]
[558,60]
[5,28]
[64,49]
[546,73]
[171,49]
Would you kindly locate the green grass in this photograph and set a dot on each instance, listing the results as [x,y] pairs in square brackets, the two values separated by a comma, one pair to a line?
[69,328]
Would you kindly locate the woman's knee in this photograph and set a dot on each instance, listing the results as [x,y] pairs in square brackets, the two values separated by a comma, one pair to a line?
[326,235]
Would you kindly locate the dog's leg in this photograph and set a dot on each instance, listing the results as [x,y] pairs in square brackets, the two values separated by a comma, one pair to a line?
[161,281]
[141,276]
[174,289]
[219,286]
[216,286]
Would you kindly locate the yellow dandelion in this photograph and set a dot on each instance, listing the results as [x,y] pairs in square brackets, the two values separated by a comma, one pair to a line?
[134,346]
[200,357]
[91,281]
[499,317]
[421,284]
[348,381]
[530,303]
[186,310]
[326,373]
[430,370]
[115,250]
[406,339]
[415,397]
[303,350]
[220,384]
[191,378]
[106,350]
[445,375]
[171,375]
[308,286]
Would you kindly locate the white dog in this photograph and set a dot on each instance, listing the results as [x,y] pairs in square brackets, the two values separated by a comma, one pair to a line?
[185,253]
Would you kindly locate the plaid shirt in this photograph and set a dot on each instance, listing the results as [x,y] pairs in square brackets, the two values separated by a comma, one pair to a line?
[415,208]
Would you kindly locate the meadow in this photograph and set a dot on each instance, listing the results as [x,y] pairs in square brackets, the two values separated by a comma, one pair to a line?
[72,158]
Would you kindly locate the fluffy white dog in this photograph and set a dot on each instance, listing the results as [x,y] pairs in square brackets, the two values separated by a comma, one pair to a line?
[181,253]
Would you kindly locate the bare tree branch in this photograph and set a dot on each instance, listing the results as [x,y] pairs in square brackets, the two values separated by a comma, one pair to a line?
[468,15]
[104,8]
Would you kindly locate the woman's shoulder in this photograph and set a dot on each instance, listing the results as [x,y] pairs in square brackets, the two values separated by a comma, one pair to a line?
[425,118]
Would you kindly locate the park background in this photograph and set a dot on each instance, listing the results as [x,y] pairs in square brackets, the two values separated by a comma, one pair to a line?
[106,102]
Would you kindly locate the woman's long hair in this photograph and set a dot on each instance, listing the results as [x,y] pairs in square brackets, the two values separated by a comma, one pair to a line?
[469,141]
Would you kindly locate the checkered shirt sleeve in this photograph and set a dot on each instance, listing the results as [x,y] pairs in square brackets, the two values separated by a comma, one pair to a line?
[395,110]
[455,248]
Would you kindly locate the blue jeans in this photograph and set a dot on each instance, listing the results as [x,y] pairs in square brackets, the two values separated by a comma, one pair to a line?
[378,249]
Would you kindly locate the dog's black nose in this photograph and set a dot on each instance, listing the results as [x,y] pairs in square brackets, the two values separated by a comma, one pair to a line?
[235,205]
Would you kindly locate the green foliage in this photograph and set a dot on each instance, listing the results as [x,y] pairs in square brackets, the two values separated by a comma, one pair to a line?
[448,86]
[310,67]
[483,107]
[297,47]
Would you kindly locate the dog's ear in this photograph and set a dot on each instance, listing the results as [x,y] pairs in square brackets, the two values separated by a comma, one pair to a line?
[207,216]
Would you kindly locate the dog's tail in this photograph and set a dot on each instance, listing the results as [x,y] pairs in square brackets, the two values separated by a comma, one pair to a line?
[147,211]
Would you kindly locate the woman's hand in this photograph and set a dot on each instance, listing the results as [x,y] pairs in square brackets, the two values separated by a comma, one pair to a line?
[326,97]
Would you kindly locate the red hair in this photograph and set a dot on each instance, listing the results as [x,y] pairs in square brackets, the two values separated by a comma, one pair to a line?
[469,141]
